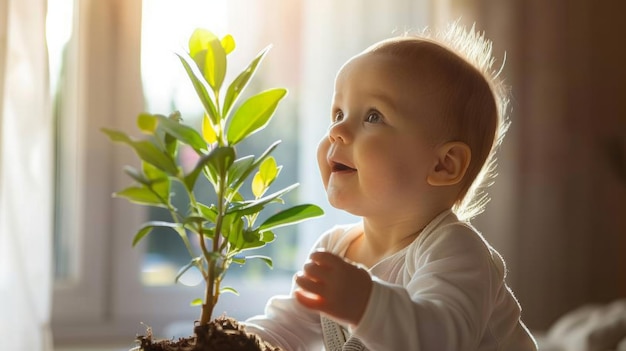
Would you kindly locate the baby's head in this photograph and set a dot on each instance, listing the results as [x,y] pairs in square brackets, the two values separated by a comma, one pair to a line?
[458,102]
[471,100]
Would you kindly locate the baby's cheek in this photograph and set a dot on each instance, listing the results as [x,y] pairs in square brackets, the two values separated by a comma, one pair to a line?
[322,161]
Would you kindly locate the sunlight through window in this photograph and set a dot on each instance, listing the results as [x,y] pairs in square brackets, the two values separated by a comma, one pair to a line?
[166,25]
[59,27]
[59,35]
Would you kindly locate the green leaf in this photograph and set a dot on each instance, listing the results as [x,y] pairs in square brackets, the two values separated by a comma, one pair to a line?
[254,114]
[147,123]
[239,84]
[291,216]
[195,262]
[191,177]
[232,229]
[235,196]
[137,175]
[162,189]
[244,175]
[193,223]
[141,234]
[210,174]
[201,86]
[183,133]
[251,240]
[146,151]
[239,260]
[171,143]
[196,302]
[228,289]
[218,160]
[239,170]
[155,189]
[208,212]
[148,226]
[255,206]
[221,159]
[267,236]
[152,173]
[142,196]
[267,260]
[208,231]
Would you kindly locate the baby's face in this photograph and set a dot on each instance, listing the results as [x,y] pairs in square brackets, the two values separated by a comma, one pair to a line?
[380,146]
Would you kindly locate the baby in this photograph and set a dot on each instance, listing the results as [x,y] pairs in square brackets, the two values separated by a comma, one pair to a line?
[413,129]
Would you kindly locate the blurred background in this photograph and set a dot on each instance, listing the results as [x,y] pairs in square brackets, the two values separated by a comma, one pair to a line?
[68,274]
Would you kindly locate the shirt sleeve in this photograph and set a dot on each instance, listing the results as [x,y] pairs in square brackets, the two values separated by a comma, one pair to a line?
[444,304]
[288,324]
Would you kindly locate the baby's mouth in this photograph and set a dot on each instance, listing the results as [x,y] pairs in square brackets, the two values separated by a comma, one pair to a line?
[340,167]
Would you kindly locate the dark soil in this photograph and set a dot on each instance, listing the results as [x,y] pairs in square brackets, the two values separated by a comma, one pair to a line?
[222,334]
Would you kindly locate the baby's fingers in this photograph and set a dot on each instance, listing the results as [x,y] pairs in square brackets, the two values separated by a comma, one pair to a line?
[315,272]
[310,284]
[308,299]
[326,259]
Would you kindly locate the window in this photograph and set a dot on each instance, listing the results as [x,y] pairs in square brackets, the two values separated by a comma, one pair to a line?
[61,55]
[120,62]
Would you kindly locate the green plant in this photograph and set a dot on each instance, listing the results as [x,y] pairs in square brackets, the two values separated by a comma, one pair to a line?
[227,228]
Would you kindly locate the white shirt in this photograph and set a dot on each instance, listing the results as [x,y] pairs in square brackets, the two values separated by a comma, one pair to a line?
[445,291]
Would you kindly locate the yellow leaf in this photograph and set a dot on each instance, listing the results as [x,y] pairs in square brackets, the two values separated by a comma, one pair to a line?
[258,185]
[147,123]
[208,132]
[228,43]
[268,170]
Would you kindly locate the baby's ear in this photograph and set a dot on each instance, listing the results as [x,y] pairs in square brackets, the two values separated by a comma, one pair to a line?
[453,158]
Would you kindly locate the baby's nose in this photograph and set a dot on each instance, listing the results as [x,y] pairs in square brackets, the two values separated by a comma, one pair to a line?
[340,131]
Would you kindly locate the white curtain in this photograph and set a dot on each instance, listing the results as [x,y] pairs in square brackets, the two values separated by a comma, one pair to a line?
[26,178]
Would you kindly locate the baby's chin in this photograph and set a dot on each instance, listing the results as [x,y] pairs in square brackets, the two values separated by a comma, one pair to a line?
[341,203]
[335,199]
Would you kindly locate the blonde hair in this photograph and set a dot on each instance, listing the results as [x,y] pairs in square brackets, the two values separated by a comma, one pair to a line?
[463,60]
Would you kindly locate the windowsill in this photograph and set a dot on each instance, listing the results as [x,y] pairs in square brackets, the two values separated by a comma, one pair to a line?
[116,332]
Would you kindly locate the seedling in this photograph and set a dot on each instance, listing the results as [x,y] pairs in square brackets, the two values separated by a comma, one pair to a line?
[227,229]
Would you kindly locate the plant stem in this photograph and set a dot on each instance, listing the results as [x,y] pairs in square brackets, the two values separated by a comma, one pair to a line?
[212,291]
[207,306]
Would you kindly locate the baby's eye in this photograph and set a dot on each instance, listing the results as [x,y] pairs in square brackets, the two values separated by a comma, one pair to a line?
[373,117]
[338,116]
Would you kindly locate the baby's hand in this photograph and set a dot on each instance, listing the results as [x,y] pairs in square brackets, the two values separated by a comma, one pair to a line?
[331,285]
